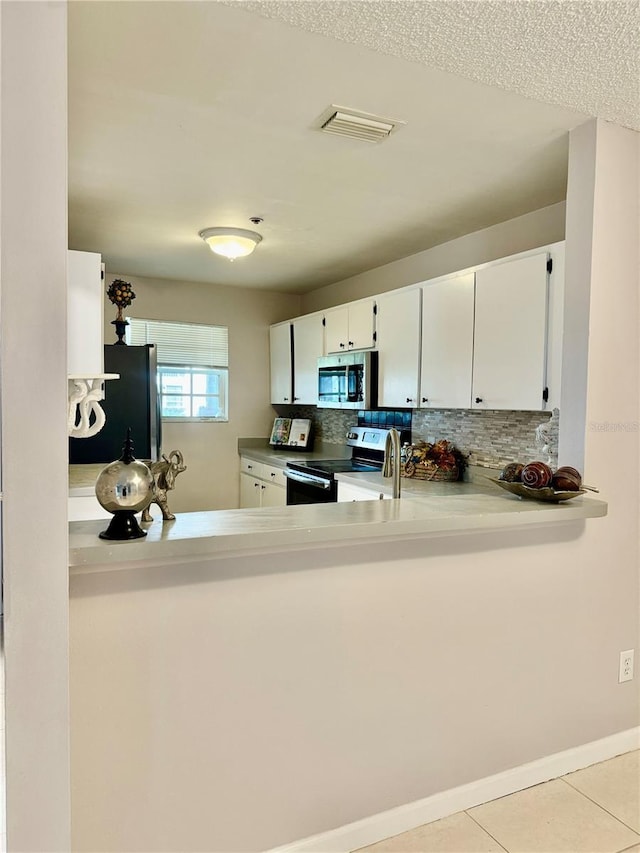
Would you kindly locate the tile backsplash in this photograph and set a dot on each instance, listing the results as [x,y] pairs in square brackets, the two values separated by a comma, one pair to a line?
[330,425]
[489,438]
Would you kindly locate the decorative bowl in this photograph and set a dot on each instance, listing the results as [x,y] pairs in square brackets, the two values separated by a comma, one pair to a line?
[545,494]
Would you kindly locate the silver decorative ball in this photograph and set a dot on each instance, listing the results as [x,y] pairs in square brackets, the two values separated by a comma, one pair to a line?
[125,486]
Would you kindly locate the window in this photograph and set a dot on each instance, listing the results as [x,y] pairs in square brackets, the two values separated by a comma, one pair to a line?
[193,367]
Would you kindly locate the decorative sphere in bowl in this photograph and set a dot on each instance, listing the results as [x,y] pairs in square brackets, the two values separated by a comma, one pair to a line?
[536,475]
[566,479]
[512,472]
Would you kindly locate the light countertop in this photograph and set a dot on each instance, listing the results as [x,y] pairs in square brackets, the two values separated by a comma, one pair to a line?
[82,479]
[206,535]
[425,510]
[261,451]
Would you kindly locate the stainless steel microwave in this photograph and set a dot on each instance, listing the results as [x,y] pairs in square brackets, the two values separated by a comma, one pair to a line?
[348,380]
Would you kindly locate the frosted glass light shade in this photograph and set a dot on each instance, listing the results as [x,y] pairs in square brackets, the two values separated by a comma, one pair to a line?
[231,243]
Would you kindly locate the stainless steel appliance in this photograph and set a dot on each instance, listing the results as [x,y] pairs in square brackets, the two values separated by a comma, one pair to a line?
[348,380]
[129,402]
[314,481]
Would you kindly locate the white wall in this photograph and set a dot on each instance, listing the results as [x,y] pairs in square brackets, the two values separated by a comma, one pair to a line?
[253,701]
[577,297]
[538,228]
[210,449]
[33,359]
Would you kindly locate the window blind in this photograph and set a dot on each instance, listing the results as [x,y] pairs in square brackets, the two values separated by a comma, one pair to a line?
[182,343]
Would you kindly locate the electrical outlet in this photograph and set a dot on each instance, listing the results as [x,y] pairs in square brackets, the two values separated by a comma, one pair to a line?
[625,672]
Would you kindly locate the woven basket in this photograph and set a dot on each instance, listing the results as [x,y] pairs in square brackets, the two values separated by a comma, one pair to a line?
[418,465]
[428,471]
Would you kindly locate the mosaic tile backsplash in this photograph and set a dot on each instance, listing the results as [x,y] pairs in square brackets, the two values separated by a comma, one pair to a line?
[489,438]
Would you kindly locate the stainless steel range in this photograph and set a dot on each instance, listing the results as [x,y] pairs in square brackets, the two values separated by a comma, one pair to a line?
[314,481]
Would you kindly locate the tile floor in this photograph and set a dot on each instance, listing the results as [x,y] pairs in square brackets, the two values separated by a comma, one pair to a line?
[595,810]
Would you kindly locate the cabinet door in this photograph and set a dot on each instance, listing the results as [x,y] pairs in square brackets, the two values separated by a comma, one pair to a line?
[509,358]
[447,343]
[85,305]
[308,336]
[249,492]
[350,493]
[361,325]
[281,365]
[272,474]
[398,344]
[273,495]
[336,329]
[249,466]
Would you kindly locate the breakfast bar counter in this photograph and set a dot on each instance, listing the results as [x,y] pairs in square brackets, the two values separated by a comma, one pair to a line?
[440,509]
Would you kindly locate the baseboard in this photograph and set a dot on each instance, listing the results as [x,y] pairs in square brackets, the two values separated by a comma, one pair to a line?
[351,836]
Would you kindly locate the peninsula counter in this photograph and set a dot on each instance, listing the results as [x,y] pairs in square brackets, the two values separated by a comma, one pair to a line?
[433,510]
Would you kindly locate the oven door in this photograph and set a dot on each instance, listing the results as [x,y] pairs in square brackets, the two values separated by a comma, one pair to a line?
[303,488]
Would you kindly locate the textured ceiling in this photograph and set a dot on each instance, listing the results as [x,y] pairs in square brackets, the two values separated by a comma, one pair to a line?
[187,115]
[583,55]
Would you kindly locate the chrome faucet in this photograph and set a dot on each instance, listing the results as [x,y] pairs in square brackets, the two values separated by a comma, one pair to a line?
[391,466]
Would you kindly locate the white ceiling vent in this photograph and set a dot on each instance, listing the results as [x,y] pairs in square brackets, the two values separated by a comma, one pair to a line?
[356,125]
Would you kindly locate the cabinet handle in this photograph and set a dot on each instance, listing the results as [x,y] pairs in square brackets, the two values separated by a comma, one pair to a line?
[273,474]
[350,343]
[409,399]
[286,399]
[425,399]
[263,487]
[255,485]
[249,467]
[478,399]
[295,398]
[341,346]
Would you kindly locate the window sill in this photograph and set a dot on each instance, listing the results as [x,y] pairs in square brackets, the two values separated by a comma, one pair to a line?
[166,420]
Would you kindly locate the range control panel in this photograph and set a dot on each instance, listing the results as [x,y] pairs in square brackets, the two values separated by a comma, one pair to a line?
[371,438]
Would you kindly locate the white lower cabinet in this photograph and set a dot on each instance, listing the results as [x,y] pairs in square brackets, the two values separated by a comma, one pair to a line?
[261,485]
[249,492]
[348,492]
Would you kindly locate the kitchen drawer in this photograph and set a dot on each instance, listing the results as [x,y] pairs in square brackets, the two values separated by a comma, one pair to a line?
[349,492]
[272,474]
[249,466]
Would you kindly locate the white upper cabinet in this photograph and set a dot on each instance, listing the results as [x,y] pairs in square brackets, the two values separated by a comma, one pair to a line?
[281,363]
[447,343]
[350,326]
[308,340]
[398,345]
[484,338]
[555,321]
[510,343]
[85,310]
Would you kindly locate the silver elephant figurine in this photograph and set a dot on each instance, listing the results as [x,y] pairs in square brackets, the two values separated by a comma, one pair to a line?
[164,473]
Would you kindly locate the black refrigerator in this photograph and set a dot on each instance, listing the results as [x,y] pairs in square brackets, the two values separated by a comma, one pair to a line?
[131,401]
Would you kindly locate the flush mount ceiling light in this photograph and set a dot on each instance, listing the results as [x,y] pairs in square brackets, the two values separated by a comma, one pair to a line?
[231,243]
